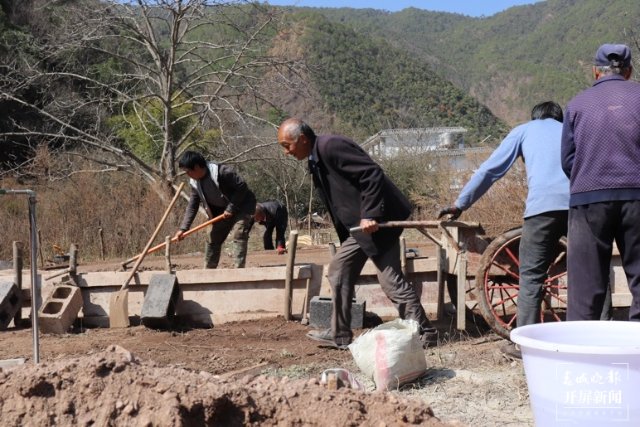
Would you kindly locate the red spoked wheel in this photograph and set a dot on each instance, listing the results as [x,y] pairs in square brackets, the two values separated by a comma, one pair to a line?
[497,283]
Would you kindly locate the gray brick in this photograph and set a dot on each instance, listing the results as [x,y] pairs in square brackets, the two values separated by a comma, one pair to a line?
[10,303]
[159,306]
[61,309]
[321,308]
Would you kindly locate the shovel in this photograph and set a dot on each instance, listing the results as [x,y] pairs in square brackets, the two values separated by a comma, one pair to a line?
[411,224]
[421,225]
[173,240]
[119,303]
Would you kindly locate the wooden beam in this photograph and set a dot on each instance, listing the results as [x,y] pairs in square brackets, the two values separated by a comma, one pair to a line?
[185,277]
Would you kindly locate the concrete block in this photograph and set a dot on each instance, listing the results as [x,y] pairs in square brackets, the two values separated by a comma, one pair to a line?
[159,306]
[321,308]
[10,303]
[60,310]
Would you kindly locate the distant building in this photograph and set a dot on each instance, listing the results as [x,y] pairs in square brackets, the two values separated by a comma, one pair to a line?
[443,147]
[394,142]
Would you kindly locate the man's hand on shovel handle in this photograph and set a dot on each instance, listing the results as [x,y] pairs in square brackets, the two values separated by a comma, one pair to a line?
[179,235]
[369,225]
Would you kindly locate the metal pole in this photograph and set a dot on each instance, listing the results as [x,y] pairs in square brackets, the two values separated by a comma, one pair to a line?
[35,294]
[17,273]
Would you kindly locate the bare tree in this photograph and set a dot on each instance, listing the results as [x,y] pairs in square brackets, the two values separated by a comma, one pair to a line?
[140,81]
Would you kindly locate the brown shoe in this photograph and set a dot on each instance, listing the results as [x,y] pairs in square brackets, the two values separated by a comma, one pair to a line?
[326,337]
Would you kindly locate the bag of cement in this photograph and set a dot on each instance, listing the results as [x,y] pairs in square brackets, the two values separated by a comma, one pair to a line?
[390,353]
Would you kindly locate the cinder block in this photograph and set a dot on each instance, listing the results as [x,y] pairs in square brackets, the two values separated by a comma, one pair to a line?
[159,306]
[321,308]
[60,310]
[10,303]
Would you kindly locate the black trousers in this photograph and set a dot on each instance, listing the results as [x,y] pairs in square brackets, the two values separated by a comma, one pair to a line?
[592,230]
[344,269]
[538,244]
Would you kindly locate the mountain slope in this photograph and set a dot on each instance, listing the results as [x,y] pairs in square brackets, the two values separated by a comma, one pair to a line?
[372,85]
[511,60]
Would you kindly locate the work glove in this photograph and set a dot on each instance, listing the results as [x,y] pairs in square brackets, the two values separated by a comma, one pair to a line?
[281,250]
[453,212]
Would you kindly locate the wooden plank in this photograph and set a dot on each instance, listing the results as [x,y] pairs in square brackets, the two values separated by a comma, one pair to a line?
[621,300]
[291,259]
[462,281]
[440,278]
[186,277]
[228,275]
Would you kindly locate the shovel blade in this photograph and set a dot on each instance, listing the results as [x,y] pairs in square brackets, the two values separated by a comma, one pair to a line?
[119,309]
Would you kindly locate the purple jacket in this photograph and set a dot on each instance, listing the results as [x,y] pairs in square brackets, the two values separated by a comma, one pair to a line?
[601,142]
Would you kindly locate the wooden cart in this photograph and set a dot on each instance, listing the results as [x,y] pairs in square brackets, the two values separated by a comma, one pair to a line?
[482,275]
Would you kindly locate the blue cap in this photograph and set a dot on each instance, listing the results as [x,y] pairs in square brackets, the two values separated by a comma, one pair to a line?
[613,55]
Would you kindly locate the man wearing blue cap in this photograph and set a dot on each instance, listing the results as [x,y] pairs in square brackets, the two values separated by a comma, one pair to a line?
[600,152]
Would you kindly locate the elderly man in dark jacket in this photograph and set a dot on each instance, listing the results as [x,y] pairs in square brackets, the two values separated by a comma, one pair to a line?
[601,156]
[356,192]
[273,215]
[220,190]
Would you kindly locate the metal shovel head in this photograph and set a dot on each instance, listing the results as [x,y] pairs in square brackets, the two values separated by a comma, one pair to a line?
[119,309]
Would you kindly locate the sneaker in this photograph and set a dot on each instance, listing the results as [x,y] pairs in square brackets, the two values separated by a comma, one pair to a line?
[326,337]
[511,350]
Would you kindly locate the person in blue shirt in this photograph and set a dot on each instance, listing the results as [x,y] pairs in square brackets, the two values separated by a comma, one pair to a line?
[537,142]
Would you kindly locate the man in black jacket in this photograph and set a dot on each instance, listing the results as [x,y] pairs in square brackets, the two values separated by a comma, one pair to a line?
[356,192]
[273,215]
[221,191]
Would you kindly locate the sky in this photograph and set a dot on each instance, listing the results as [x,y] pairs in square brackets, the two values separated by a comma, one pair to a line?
[466,7]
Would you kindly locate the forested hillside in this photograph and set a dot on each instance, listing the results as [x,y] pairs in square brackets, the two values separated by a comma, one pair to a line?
[513,59]
[96,94]
[373,85]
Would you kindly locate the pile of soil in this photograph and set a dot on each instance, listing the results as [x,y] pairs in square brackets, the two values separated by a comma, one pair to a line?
[113,387]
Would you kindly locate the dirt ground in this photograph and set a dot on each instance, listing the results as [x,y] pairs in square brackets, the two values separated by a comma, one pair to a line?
[262,372]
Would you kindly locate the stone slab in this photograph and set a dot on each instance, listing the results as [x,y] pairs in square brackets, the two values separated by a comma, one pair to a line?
[321,308]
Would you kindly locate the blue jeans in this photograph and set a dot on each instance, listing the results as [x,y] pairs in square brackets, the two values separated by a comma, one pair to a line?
[538,244]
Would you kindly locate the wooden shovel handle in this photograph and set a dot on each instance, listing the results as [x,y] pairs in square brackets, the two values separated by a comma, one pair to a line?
[175,239]
[417,224]
[153,236]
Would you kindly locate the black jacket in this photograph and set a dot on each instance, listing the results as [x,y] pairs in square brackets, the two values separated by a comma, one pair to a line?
[354,187]
[240,199]
[276,217]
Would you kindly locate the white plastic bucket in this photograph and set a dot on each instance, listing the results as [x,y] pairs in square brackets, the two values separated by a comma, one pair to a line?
[582,373]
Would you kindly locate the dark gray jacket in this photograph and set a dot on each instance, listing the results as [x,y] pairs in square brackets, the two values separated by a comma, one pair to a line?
[276,217]
[240,199]
[354,187]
